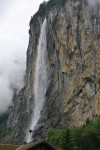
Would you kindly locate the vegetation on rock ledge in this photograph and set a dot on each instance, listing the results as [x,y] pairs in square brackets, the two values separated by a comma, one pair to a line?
[3,124]
[45,7]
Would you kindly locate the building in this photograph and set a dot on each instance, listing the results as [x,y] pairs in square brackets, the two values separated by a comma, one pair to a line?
[8,146]
[36,146]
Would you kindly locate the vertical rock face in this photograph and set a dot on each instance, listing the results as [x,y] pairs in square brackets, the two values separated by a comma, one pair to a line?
[73,88]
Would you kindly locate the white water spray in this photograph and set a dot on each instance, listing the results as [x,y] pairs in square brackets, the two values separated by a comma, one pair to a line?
[40,83]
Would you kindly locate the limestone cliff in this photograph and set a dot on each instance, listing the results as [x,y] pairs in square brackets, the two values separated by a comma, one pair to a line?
[73,46]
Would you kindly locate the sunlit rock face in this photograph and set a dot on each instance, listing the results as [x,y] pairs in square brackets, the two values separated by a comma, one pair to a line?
[73,84]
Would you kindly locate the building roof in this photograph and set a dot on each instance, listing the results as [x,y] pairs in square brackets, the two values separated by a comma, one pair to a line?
[34,144]
[8,147]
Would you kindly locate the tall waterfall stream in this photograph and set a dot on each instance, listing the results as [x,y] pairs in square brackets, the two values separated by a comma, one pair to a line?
[40,82]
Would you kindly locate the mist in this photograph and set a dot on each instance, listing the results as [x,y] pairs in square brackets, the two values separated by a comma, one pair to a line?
[14,25]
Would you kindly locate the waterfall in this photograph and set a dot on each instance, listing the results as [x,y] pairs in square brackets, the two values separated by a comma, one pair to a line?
[40,82]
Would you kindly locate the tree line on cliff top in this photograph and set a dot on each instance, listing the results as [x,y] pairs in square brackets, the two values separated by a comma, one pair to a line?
[45,7]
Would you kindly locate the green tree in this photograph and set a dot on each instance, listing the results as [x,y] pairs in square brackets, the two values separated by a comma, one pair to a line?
[86,137]
[67,141]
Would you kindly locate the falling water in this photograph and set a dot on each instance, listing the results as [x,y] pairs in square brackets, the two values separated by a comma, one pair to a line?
[40,82]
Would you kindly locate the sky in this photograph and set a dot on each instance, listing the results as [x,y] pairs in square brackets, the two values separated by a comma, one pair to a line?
[14,25]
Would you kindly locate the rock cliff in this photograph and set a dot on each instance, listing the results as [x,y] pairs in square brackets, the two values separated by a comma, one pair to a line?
[73,47]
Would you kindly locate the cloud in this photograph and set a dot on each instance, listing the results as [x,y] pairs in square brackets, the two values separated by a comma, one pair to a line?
[14,20]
